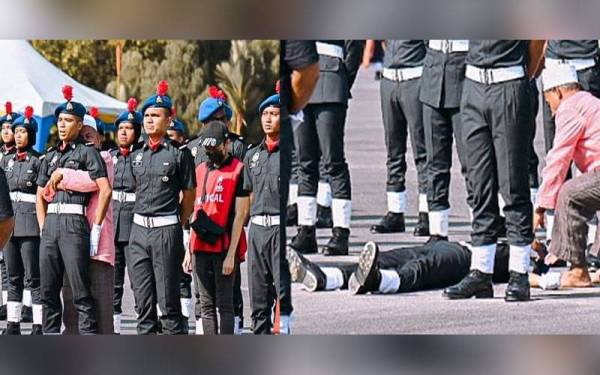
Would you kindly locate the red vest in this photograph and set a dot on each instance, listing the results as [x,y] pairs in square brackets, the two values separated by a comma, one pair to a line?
[218,201]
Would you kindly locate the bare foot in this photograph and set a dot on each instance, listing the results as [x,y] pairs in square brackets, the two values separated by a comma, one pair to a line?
[576,277]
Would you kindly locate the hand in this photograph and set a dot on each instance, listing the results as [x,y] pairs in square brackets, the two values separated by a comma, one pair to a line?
[186,240]
[95,239]
[538,220]
[551,259]
[187,263]
[296,119]
[228,265]
[55,179]
[1,254]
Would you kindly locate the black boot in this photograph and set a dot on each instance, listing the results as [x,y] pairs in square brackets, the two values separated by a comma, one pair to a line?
[338,244]
[436,238]
[3,312]
[391,223]
[422,228]
[367,277]
[305,241]
[36,329]
[476,283]
[517,288]
[324,218]
[27,314]
[12,328]
[291,215]
[306,272]
[186,325]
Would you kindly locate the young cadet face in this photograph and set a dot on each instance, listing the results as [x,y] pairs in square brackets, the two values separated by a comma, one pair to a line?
[91,136]
[270,121]
[125,134]
[7,134]
[176,136]
[69,127]
[156,121]
[21,137]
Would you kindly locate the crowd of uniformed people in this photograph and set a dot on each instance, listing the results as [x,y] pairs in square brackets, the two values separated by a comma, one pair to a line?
[168,212]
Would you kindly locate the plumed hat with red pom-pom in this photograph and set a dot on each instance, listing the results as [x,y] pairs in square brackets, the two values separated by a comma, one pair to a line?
[159,100]
[272,100]
[70,107]
[216,100]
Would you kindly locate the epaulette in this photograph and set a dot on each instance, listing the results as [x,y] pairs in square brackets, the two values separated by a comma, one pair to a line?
[42,157]
[90,144]
[50,149]
[182,147]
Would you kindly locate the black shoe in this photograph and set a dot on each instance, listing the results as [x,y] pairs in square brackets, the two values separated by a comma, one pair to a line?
[476,283]
[422,228]
[305,241]
[391,223]
[366,278]
[12,328]
[291,218]
[26,314]
[517,288]
[539,265]
[324,218]
[306,272]
[436,238]
[338,244]
[186,325]
[36,330]
[3,312]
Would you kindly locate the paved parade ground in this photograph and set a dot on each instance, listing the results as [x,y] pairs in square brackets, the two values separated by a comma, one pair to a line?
[339,312]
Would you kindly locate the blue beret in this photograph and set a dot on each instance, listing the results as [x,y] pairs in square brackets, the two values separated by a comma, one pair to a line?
[271,100]
[9,117]
[177,125]
[71,108]
[211,105]
[134,117]
[160,99]
[23,122]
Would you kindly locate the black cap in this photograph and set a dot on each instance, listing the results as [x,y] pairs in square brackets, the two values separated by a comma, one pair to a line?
[214,134]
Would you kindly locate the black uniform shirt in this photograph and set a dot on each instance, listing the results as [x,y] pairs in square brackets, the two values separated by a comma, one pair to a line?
[160,177]
[404,53]
[572,49]
[75,155]
[123,182]
[442,80]
[488,54]
[6,211]
[6,151]
[261,177]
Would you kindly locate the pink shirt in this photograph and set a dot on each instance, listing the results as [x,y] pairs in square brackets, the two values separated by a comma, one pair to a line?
[577,140]
[78,180]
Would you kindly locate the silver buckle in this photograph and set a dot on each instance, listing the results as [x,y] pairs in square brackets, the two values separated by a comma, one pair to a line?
[17,197]
[121,196]
[446,46]
[58,208]
[267,220]
[487,76]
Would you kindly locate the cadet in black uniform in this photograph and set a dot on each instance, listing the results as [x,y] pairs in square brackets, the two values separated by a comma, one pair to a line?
[7,221]
[441,88]
[161,172]
[403,115]
[65,243]
[129,128]
[266,265]
[7,148]
[495,116]
[22,252]
[321,135]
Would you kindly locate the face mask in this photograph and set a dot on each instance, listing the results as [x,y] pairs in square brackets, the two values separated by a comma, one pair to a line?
[215,157]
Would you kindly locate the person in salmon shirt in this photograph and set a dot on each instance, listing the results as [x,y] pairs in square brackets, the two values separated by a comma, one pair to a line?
[576,201]
[102,250]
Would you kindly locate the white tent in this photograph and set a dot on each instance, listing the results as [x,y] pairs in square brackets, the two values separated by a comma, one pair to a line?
[27,78]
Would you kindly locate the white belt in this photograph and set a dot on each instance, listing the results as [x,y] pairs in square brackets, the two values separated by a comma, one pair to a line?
[404,74]
[66,208]
[494,75]
[579,64]
[155,222]
[122,196]
[265,220]
[17,196]
[449,46]
[330,50]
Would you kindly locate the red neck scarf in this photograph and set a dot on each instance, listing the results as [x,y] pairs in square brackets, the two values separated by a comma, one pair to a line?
[21,155]
[124,151]
[153,146]
[271,145]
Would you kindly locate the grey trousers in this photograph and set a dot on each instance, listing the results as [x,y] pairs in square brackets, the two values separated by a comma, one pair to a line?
[102,277]
[578,201]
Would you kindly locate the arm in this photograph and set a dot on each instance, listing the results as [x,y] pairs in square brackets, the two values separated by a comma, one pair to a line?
[569,128]
[7,221]
[368,53]
[354,52]
[41,206]
[76,180]
[6,229]
[187,206]
[242,207]
[104,196]
[536,58]
[303,83]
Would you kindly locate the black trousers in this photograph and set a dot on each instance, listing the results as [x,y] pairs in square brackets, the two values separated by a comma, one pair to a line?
[441,126]
[402,115]
[4,271]
[589,79]
[496,135]
[266,267]
[321,137]
[532,165]
[216,292]
[22,255]
[65,248]
[238,299]
[120,250]
[154,265]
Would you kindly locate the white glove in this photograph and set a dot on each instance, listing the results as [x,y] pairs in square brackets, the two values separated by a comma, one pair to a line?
[296,119]
[95,239]
[186,239]
[1,254]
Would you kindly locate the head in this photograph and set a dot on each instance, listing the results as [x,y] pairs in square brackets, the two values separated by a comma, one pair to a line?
[156,121]
[69,126]
[555,95]
[559,82]
[176,136]
[126,134]
[270,121]
[90,135]
[216,142]
[8,137]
